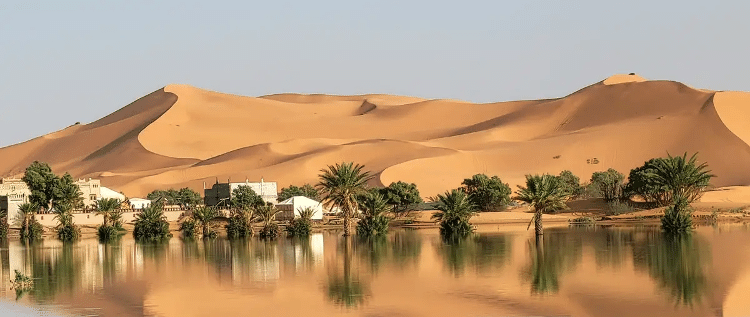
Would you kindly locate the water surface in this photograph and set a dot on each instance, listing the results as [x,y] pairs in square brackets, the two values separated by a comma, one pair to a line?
[502,270]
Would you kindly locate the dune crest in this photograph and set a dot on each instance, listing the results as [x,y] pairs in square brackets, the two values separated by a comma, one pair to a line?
[186,136]
[623,78]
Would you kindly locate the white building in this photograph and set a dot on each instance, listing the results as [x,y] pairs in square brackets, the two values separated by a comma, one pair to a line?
[139,203]
[291,207]
[219,193]
[108,193]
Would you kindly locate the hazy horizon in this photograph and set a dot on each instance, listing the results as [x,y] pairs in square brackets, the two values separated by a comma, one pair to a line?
[78,61]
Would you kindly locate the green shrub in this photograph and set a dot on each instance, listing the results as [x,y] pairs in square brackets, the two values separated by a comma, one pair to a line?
[240,224]
[108,233]
[402,197]
[66,229]
[487,193]
[373,222]
[618,207]
[582,221]
[455,209]
[571,184]
[677,218]
[151,225]
[189,228]
[609,184]
[269,231]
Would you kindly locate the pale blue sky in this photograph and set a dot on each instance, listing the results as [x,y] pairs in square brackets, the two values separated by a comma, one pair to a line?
[68,61]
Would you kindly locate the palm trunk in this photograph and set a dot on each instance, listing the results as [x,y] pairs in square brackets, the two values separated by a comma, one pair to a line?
[347,223]
[538,223]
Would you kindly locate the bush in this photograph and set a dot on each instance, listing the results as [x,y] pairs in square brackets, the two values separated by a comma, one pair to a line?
[299,227]
[487,193]
[583,221]
[609,184]
[373,222]
[641,183]
[455,209]
[108,233]
[240,224]
[66,229]
[151,225]
[571,184]
[677,218]
[402,197]
[619,207]
[33,232]
[269,231]
[306,190]
[189,228]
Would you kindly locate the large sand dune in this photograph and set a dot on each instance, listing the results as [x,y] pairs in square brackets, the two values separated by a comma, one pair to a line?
[184,136]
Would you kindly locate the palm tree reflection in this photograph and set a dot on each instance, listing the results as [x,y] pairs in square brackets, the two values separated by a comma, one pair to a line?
[675,262]
[479,251]
[550,256]
[347,289]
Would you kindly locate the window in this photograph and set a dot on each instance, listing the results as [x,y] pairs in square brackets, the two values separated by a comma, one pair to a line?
[92,197]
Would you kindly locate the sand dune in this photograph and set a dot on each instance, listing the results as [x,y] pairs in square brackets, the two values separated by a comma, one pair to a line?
[185,136]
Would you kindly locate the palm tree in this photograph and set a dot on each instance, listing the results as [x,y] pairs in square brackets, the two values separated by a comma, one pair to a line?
[204,216]
[545,194]
[340,185]
[29,226]
[105,207]
[373,222]
[455,209]
[682,176]
[301,226]
[151,224]
[267,214]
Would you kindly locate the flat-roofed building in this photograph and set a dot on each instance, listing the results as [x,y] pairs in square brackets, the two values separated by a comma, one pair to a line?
[221,193]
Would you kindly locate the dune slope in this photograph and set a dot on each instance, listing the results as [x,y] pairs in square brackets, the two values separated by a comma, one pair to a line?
[184,136]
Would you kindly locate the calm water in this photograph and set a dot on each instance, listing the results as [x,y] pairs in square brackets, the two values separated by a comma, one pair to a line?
[583,271]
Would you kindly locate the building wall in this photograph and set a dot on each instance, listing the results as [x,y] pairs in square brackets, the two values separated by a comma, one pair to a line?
[91,190]
[91,219]
[220,192]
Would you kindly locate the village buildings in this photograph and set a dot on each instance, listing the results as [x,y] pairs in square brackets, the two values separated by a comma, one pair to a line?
[220,193]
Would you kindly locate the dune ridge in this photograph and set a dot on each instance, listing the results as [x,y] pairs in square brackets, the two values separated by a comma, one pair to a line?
[185,136]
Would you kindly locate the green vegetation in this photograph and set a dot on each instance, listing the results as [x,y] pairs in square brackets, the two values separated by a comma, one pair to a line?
[22,283]
[109,209]
[455,209]
[340,185]
[151,224]
[618,207]
[244,197]
[609,184]
[545,193]
[301,226]
[571,184]
[66,229]
[487,193]
[402,197]
[185,197]
[49,190]
[201,222]
[678,217]
[660,180]
[31,230]
[240,223]
[267,215]
[582,221]
[306,190]
[373,220]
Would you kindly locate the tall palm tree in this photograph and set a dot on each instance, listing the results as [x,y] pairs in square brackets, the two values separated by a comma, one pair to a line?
[682,176]
[455,209]
[340,185]
[267,215]
[545,194]
[105,207]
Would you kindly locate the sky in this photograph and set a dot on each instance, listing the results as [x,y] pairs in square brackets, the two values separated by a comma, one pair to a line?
[71,61]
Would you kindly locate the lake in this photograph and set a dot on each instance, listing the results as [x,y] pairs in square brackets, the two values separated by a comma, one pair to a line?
[501,271]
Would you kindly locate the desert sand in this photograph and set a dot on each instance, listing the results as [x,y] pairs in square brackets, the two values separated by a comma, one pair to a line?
[184,136]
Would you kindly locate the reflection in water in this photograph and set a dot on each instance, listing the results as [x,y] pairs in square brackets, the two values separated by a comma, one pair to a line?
[482,252]
[675,262]
[550,255]
[595,268]
[347,289]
